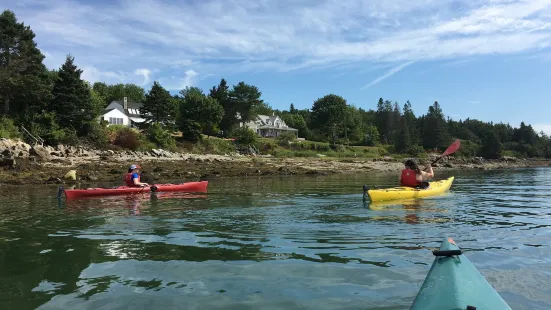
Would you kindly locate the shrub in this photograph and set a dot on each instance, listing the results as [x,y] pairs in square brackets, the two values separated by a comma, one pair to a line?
[8,129]
[97,134]
[245,136]
[124,137]
[214,146]
[160,136]
[285,138]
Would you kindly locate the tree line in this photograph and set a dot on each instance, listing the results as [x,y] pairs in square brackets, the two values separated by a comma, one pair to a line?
[62,108]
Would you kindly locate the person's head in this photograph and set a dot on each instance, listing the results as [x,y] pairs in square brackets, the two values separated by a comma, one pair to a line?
[133,168]
[411,164]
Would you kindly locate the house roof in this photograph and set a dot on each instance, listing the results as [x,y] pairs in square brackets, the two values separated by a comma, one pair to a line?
[133,108]
[278,128]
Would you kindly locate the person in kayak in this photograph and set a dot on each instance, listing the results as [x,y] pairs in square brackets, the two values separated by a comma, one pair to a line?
[413,176]
[132,178]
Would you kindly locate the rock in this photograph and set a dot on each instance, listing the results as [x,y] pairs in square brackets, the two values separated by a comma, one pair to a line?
[53,180]
[41,152]
[448,165]
[7,162]
[89,177]
[157,169]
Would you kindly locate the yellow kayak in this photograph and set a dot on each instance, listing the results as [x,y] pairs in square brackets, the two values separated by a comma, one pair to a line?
[403,192]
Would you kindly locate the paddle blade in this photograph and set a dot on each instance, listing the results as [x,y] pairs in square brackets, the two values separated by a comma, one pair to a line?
[452,148]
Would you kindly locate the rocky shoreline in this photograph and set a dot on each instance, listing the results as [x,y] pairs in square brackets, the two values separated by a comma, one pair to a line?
[22,164]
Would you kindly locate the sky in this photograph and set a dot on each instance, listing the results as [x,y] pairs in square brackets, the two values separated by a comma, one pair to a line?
[483,59]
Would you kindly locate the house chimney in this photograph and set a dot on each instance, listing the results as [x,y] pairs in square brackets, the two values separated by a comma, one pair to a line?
[273,113]
[125,103]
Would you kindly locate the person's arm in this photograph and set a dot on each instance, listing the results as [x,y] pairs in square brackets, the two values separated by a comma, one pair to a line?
[136,182]
[428,175]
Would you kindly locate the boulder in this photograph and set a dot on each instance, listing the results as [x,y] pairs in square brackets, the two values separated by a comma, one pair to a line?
[41,152]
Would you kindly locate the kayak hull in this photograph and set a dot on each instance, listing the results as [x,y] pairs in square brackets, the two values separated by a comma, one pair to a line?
[453,282]
[403,192]
[190,187]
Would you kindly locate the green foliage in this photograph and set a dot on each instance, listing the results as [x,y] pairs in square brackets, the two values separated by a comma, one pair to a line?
[328,115]
[286,138]
[159,106]
[8,129]
[24,80]
[160,136]
[491,146]
[211,145]
[295,120]
[435,130]
[244,136]
[246,99]
[125,137]
[198,114]
[97,134]
[72,101]
[371,135]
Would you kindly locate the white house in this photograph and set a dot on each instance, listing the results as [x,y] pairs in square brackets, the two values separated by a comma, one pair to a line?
[269,126]
[123,113]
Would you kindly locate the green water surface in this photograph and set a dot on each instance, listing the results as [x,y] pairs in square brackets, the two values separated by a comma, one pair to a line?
[272,243]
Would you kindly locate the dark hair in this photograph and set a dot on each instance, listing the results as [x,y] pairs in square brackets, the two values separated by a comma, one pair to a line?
[411,164]
[129,170]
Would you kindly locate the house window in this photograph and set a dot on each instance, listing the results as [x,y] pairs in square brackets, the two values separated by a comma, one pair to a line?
[115,121]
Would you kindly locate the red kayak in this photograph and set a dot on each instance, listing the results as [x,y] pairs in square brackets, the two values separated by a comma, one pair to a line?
[190,187]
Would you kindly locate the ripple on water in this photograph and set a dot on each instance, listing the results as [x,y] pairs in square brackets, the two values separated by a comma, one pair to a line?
[294,243]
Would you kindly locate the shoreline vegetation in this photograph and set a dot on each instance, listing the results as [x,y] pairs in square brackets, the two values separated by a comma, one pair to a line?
[58,120]
[48,165]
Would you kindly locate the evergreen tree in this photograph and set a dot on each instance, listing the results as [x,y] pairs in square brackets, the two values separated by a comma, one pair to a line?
[72,101]
[159,106]
[245,98]
[292,109]
[25,85]
[221,94]
[198,113]
[435,132]
[402,140]
[411,120]
[491,146]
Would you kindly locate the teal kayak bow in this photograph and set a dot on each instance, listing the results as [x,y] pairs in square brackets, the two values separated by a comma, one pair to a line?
[453,283]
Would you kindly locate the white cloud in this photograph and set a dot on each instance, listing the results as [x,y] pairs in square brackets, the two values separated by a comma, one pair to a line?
[546,128]
[90,74]
[388,74]
[280,35]
[179,82]
[145,73]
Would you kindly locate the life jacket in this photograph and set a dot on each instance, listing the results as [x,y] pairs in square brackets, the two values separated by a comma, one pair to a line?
[409,178]
[128,179]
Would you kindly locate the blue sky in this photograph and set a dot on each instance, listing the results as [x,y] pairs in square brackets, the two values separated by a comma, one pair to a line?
[484,59]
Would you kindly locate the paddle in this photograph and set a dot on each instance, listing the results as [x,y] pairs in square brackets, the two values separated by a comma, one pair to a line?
[450,150]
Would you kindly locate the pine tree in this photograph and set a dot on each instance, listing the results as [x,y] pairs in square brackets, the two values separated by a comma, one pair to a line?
[72,102]
[411,122]
[25,85]
[435,132]
[221,94]
[159,106]
[402,140]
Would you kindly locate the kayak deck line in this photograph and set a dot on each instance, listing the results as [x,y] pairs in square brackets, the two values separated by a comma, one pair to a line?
[453,282]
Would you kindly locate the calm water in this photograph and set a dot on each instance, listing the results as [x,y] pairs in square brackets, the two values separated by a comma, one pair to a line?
[280,243]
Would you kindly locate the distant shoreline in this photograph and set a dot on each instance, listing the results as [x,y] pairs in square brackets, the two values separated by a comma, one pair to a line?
[162,166]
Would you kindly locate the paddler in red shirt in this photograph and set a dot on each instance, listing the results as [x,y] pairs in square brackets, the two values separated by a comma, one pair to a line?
[132,178]
[412,176]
